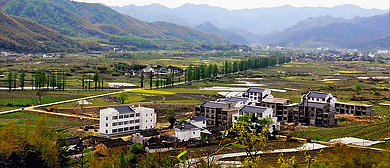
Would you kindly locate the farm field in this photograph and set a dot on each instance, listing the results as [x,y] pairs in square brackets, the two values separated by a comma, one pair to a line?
[376,131]
[64,126]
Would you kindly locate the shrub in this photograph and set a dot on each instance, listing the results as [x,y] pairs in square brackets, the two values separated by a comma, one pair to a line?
[138,148]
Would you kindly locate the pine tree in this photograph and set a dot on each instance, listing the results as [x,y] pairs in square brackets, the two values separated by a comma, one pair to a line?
[151,80]
[22,79]
[142,80]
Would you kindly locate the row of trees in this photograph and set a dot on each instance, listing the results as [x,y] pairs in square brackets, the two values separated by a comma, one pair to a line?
[207,71]
[38,79]
[204,71]
[95,78]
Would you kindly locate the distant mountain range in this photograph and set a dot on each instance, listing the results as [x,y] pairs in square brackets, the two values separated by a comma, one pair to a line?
[258,21]
[209,28]
[334,32]
[77,19]
[20,34]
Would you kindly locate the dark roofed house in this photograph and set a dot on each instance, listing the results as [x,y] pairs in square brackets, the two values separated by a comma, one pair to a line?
[75,145]
[112,146]
[143,136]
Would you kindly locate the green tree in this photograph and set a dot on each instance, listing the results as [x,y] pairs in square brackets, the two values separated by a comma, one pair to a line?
[358,88]
[171,118]
[190,73]
[9,80]
[96,80]
[151,80]
[22,79]
[142,80]
[15,79]
[122,97]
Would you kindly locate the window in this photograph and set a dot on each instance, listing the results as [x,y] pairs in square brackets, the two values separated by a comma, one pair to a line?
[151,114]
[106,124]
[151,121]
[137,115]
[114,124]
[114,117]
[131,121]
[136,127]
[131,128]
[126,116]
[106,131]
[120,129]
[131,115]
[120,123]
[151,127]
[136,121]
[121,117]
[146,115]
[106,118]
[126,122]
[146,127]
[193,133]
[126,129]
[114,130]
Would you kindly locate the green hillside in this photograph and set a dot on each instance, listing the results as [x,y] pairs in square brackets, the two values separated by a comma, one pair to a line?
[20,34]
[79,19]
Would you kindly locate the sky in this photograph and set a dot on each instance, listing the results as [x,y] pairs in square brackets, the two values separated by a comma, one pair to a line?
[241,4]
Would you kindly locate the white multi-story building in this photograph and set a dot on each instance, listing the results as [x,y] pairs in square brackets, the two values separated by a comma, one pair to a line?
[256,95]
[125,119]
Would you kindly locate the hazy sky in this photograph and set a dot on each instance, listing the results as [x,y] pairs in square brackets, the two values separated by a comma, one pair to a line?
[239,4]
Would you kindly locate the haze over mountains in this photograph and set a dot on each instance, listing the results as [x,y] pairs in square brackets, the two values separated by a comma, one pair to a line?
[340,26]
[258,21]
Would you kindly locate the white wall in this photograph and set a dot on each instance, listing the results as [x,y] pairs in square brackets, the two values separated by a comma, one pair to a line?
[200,124]
[185,135]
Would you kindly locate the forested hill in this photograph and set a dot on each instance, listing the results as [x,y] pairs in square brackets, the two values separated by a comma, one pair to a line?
[91,19]
[20,34]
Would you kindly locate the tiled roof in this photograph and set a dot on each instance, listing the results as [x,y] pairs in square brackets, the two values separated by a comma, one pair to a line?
[124,109]
[114,143]
[199,118]
[213,104]
[186,126]
[318,95]
[256,90]
[253,109]
[74,141]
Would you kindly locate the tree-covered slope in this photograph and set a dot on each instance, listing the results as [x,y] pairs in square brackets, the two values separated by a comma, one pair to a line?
[92,19]
[20,34]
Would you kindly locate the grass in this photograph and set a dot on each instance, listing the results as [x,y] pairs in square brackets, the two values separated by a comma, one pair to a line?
[376,131]
[385,145]
[61,125]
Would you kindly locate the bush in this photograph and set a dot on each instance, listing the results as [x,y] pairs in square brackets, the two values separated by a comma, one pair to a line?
[138,148]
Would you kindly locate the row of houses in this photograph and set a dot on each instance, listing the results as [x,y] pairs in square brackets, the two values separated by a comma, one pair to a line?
[315,108]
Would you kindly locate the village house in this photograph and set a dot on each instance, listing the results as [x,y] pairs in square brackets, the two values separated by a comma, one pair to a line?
[354,109]
[216,113]
[258,113]
[113,146]
[256,95]
[199,121]
[187,131]
[315,113]
[237,102]
[144,135]
[74,145]
[278,106]
[126,119]
[320,97]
